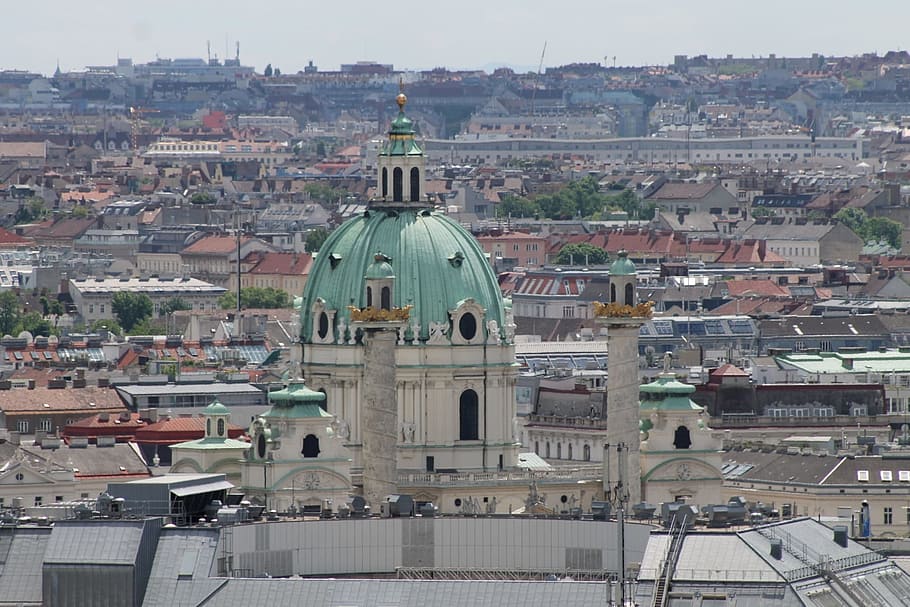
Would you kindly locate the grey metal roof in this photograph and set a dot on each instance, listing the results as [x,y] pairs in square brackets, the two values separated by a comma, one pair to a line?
[214,388]
[723,558]
[21,555]
[389,593]
[94,542]
[183,563]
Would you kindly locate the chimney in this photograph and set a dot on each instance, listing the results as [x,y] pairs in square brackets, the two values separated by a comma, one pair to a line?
[777,549]
[840,535]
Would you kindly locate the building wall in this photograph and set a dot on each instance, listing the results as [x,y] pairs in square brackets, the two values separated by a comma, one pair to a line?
[381,545]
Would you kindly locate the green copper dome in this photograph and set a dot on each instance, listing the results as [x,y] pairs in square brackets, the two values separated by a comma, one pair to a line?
[216,408]
[380,268]
[436,263]
[295,392]
[622,266]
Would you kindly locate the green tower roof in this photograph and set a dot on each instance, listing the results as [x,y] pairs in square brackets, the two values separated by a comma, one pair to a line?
[380,268]
[439,264]
[216,408]
[668,394]
[623,266]
[401,134]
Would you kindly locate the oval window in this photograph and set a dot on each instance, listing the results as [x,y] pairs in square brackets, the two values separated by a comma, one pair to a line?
[260,446]
[467,326]
[323,325]
[220,427]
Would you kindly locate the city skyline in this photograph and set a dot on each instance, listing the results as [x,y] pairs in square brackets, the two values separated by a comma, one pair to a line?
[414,35]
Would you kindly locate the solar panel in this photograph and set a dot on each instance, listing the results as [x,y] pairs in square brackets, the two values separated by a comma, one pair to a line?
[714,327]
[740,326]
[663,327]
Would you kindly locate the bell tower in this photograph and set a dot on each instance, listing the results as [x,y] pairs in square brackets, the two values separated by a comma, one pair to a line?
[401,164]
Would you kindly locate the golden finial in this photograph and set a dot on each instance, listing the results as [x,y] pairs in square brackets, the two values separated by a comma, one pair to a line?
[401,99]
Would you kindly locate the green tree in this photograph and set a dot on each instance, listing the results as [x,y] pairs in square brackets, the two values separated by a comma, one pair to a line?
[256,297]
[80,212]
[315,239]
[517,206]
[762,212]
[9,312]
[202,198]
[147,327]
[106,324]
[174,304]
[581,254]
[882,229]
[32,209]
[325,194]
[853,218]
[34,323]
[131,309]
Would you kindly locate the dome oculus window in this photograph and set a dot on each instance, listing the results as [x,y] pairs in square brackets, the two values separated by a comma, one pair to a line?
[467,326]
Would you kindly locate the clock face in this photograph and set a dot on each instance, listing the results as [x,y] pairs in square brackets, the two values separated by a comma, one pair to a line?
[311,480]
[683,472]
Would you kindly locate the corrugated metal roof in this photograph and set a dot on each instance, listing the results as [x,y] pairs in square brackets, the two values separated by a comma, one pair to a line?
[95,542]
[20,564]
[316,593]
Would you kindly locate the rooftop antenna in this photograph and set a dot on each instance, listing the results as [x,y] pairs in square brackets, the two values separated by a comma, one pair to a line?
[537,78]
[238,52]
[208,51]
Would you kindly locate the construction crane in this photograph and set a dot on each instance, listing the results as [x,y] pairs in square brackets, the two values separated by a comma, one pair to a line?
[537,78]
[136,114]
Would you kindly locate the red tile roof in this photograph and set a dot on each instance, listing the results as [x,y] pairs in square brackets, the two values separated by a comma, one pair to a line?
[88,400]
[687,191]
[214,245]
[289,264]
[11,240]
[173,430]
[756,288]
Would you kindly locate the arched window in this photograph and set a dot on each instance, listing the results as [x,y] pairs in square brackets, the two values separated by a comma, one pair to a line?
[537,447]
[369,296]
[612,293]
[397,185]
[310,446]
[385,182]
[468,418]
[570,450]
[547,449]
[415,184]
[558,450]
[586,453]
[681,438]
[221,427]
[208,427]
[630,294]
[385,299]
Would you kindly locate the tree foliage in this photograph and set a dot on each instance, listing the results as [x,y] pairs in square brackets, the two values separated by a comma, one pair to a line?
[871,229]
[581,254]
[582,199]
[9,312]
[131,309]
[174,304]
[315,239]
[255,297]
[32,209]
[202,198]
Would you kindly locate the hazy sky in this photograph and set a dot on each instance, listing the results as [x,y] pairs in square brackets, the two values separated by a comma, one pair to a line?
[454,34]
